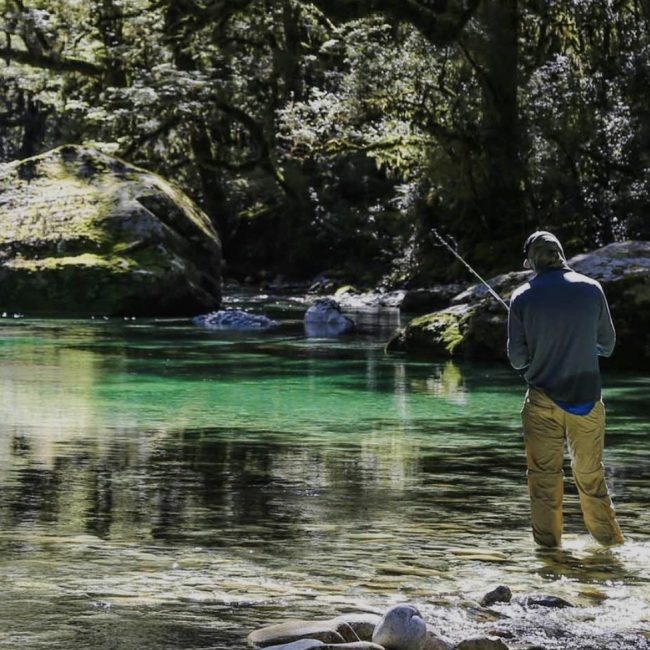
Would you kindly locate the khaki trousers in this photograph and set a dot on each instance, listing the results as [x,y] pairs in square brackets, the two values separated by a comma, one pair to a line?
[546,426]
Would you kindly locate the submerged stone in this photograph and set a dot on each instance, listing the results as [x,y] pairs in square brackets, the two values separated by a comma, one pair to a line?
[234,319]
[482,643]
[401,628]
[84,233]
[544,600]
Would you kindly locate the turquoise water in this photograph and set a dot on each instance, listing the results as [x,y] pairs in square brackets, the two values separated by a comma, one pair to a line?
[163,486]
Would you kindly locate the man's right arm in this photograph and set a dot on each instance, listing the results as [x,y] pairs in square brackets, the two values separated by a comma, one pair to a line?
[517,346]
[606,334]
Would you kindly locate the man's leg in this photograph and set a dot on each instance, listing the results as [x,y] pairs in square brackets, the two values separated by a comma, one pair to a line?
[543,423]
[586,435]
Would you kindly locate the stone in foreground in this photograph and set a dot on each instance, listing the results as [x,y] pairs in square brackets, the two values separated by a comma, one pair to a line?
[345,629]
[290,631]
[302,644]
[83,233]
[356,627]
[401,628]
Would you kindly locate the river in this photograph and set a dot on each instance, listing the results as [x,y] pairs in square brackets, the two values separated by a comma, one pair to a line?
[165,486]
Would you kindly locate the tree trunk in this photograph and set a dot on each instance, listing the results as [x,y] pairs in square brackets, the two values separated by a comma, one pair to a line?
[497,56]
[34,121]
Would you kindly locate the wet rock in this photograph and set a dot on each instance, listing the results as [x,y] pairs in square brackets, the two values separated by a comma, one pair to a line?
[234,319]
[482,643]
[544,600]
[302,644]
[356,627]
[290,631]
[440,334]
[434,642]
[401,628]
[325,318]
[356,645]
[84,233]
[500,594]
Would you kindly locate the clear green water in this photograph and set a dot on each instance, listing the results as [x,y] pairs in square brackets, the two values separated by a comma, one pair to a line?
[163,486]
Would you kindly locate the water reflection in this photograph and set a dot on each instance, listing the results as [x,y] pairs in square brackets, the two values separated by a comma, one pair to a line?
[167,487]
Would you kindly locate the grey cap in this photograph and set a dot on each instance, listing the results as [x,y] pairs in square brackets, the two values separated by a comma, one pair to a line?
[544,251]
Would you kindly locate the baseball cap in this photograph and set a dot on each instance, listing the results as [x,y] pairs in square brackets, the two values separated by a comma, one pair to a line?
[543,249]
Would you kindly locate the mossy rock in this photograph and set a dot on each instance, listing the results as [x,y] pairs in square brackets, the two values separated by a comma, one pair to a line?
[440,334]
[83,233]
[465,331]
[475,326]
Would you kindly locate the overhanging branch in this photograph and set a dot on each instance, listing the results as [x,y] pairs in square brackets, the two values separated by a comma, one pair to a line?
[51,62]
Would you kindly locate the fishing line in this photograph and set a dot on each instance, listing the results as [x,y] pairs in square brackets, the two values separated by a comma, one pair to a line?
[456,254]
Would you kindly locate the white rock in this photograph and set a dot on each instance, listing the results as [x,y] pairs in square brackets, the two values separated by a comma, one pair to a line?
[401,628]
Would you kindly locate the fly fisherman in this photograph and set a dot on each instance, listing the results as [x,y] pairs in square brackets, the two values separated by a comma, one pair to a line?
[559,324]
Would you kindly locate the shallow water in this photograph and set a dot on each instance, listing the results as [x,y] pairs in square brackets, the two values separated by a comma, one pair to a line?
[163,486]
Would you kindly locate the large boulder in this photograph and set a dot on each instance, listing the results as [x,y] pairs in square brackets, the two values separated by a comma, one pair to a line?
[474,327]
[84,233]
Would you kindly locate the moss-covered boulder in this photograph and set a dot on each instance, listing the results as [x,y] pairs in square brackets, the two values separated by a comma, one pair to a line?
[83,233]
[474,327]
[624,271]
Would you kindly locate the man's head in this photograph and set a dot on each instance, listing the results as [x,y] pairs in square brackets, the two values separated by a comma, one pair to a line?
[544,252]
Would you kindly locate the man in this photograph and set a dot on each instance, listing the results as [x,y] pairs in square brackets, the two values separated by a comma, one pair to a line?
[559,324]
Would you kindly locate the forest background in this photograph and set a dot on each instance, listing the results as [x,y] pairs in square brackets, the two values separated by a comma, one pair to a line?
[331,136]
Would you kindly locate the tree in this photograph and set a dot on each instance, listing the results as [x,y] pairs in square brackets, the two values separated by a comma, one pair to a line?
[335,133]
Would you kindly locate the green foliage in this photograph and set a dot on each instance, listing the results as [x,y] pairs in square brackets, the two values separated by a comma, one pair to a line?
[330,135]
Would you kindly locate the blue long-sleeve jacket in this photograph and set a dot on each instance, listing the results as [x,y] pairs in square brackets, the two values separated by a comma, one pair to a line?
[559,324]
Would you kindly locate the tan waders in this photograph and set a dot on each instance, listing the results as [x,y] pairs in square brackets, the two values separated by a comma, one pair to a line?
[546,426]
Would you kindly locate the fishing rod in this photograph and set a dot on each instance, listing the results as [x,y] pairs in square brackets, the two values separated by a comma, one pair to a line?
[457,255]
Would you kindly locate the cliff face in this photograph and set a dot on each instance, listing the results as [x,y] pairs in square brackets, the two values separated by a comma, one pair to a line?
[82,233]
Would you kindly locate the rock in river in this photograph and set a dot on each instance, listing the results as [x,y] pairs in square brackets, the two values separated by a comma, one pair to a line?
[234,319]
[343,630]
[325,318]
[84,233]
[500,594]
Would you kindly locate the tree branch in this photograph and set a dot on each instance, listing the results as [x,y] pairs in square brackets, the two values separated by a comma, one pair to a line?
[51,62]
[439,26]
